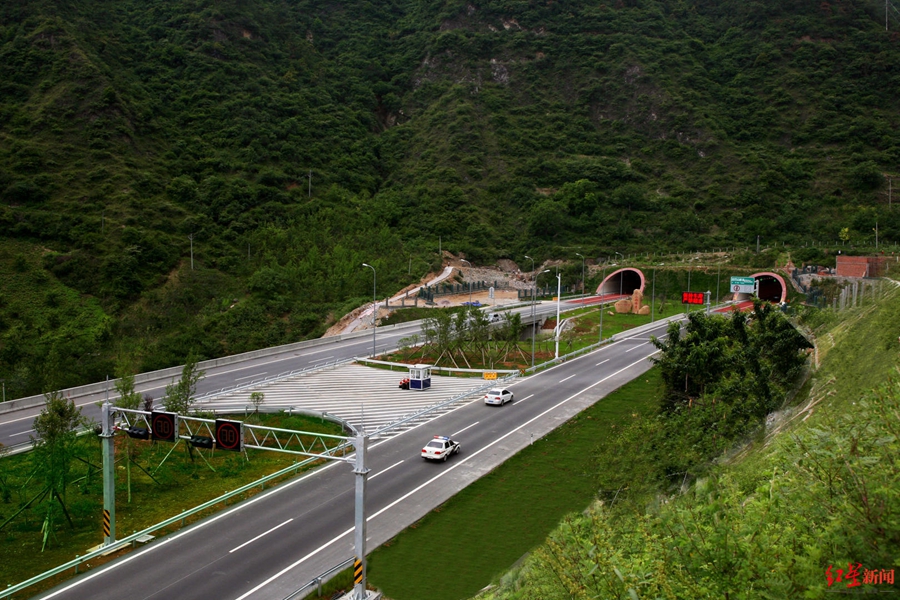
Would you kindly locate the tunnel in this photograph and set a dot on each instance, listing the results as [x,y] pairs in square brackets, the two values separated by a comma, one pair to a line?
[623,281]
[770,287]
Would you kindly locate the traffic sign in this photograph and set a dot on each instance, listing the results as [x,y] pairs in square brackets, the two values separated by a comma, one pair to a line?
[162,425]
[229,435]
[693,298]
[490,375]
[743,285]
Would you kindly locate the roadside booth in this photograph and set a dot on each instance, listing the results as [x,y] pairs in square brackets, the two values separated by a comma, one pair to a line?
[420,377]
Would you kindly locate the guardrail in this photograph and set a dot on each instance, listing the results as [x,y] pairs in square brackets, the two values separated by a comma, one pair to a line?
[135,537]
[439,405]
[270,380]
[316,582]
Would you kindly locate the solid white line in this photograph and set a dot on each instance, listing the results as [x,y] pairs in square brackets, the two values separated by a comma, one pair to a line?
[317,352]
[638,346]
[601,362]
[20,433]
[371,477]
[433,479]
[259,536]
[464,428]
[249,376]
[568,378]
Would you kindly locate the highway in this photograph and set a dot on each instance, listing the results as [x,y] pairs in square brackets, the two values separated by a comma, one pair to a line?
[268,546]
[16,427]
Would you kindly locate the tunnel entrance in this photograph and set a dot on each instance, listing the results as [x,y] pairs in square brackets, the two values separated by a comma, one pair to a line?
[770,287]
[623,281]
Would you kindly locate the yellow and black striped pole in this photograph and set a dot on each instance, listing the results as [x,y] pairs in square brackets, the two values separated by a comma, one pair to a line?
[105,523]
[357,572]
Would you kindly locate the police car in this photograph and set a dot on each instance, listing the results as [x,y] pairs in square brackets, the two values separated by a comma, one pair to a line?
[440,448]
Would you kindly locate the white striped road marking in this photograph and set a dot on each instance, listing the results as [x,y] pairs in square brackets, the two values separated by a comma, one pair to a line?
[523,399]
[20,433]
[601,362]
[371,477]
[568,378]
[259,536]
[464,428]
[636,347]
[249,376]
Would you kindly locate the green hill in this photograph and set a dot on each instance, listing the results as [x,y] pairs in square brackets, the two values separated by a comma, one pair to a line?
[288,142]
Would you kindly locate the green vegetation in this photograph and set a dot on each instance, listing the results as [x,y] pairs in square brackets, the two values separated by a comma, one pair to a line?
[493,521]
[41,535]
[769,522]
[209,178]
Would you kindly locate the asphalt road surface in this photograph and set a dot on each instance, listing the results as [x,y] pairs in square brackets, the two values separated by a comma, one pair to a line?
[270,545]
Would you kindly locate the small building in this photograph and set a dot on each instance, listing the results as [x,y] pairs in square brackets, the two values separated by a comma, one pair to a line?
[862,266]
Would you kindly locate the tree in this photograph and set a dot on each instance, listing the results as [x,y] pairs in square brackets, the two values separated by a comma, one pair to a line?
[180,395]
[55,435]
[256,399]
[128,398]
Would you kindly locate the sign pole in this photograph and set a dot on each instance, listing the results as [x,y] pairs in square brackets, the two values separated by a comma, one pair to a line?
[109,474]
[362,473]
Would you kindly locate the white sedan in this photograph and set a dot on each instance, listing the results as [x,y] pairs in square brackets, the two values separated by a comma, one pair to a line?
[440,448]
[498,396]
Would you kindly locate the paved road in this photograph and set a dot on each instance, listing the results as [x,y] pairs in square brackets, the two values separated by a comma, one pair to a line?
[270,545]
[15,427]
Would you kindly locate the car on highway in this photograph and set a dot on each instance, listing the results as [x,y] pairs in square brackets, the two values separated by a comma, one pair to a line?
[440,448]
[498,396]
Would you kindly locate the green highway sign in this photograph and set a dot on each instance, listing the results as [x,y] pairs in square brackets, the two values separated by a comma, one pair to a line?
[743,285]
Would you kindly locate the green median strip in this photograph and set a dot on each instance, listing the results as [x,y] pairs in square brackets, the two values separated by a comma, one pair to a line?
[488,526]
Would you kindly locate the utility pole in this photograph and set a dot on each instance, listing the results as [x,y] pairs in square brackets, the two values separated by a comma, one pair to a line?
[757,244]
[652,298]
[362,472]
[191,237]
[558,297]
[374,306]
[109,471]
[602,280]
[582,273]
[309,193]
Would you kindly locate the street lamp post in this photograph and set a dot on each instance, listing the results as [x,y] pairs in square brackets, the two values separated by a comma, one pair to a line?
[533,291]
[469,282]
[558,296]
[374,305]
[602,279]
[582,273]
[621,276]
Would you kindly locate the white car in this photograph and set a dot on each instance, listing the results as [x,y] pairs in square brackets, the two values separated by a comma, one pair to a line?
[440,448]
[499,396]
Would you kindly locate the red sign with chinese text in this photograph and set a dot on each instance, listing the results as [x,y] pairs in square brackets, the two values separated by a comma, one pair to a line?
[693,298]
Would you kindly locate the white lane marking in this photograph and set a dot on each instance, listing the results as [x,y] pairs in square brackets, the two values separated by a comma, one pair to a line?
[636,347]
[523,399]
[601,362]
[568,378]
[249,376]
[317,352]
[464,428]
[259,536]
[443,473]
[289,484]
[371,477]
[20,433]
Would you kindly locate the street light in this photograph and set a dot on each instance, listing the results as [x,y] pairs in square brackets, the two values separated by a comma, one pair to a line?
[558,296]
[582,273]
[533,290]
[621,276]
[469,282]
[533,321]
[374,306]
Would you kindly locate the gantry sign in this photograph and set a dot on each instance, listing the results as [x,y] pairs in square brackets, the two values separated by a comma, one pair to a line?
[236,436]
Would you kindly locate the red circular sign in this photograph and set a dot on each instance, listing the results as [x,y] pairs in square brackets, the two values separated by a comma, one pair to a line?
[228,435]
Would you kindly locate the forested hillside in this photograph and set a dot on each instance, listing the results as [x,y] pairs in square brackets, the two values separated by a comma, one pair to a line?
[288,142]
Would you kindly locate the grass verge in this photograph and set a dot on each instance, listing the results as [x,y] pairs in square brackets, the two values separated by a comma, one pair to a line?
[490,524]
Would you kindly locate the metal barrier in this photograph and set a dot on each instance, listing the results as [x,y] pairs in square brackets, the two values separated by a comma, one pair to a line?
[135,537]
[270,380]
[316,582]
